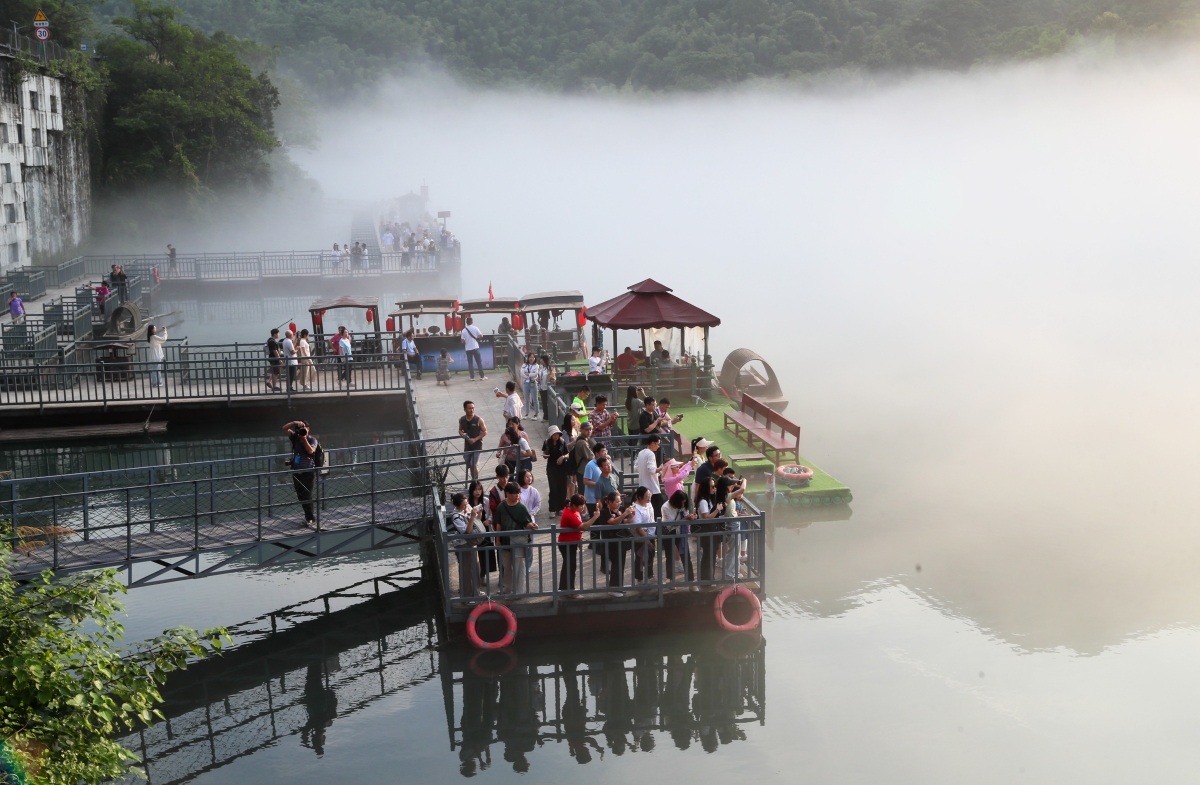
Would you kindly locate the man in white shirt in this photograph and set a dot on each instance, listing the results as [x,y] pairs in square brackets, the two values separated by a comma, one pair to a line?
[595,362]
[512,401]
[387,241]
[289,351]
[470,339]
[648,472]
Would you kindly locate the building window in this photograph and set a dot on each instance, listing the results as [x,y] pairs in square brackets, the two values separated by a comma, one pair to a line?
[25,210]
[33,100]
[54,104]
[14,253]
[6,171]
[4,133]
[20,134]
[10,213]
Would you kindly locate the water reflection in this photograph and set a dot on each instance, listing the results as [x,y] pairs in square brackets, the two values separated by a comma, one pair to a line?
[301,688]
[615,698]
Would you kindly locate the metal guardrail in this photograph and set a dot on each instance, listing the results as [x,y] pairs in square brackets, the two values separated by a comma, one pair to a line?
[267,264]
[118,381]
[90,521]
[28,338]
[618,560]
[72,319]
[44,51]
[58,275]
[28,285]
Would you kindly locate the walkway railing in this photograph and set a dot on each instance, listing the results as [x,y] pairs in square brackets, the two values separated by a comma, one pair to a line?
[189,378]
[618,559]
[263,265]
[97,519]
[58,275]
[28,285]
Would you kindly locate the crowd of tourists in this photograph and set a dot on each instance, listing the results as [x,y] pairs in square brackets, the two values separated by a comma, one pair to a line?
[291,358]
[399,236]
[593,516]
[349,260]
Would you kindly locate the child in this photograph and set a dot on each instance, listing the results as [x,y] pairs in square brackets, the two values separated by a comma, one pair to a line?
[443,369]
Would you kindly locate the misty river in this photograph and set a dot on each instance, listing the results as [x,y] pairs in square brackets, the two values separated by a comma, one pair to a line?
[978,291]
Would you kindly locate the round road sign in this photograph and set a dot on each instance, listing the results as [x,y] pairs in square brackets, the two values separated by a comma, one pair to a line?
[42,33]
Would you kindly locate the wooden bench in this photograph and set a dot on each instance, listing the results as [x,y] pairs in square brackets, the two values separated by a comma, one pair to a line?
[765,429]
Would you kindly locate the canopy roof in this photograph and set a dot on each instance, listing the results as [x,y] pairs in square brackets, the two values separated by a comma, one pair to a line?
[484,305]
[349,301]
[649,304]
[420,307]
[552,301]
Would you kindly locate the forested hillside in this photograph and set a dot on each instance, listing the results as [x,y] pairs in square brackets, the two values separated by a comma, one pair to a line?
[574,45]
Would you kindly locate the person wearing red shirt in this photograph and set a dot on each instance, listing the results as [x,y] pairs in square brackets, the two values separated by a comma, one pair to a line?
[573,526]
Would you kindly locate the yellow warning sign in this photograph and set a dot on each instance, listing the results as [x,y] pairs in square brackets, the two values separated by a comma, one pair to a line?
[40,17]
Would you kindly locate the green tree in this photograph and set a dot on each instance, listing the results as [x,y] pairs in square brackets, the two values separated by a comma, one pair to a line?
[183,108]
[69,685]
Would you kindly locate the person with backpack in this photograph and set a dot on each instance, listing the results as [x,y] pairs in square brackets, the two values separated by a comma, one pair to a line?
[307,455]
[581,455]
[274,352]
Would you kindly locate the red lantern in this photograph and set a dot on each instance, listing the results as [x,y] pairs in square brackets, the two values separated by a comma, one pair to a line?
[292,327]
[449,323]
[370,316]
[518,321]
[581,319]
[317,319]
[391,325]
[458,324]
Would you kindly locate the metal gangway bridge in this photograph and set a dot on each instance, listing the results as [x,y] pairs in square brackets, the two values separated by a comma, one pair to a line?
[190,520]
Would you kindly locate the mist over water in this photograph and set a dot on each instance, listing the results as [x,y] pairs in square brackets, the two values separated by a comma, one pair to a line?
[978,292]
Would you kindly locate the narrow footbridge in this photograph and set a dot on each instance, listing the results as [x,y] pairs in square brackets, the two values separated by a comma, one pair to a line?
[175,522]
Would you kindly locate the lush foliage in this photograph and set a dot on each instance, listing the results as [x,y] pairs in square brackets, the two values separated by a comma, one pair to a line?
[68,683]
[662,44]
[183,108]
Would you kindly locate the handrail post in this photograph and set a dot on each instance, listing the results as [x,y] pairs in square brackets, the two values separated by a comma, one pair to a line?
[87,534]
[658,554]
[374,478]
[196,514]
[150,490]
[554,565]
[228,394]
[53,531]
[128,526]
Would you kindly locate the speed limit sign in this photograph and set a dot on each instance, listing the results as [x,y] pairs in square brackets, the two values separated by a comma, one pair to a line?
[42,33]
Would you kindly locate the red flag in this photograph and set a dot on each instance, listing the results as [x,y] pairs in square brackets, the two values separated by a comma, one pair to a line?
[490,295]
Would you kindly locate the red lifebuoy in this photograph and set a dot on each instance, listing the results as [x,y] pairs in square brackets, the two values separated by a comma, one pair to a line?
[511,620]
[719,609]
[479,670]
[156,275]
[794,471]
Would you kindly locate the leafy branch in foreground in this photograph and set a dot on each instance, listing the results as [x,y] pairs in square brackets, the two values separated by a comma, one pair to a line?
[69,689]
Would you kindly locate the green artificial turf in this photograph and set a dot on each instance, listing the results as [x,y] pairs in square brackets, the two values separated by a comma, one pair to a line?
[710,423]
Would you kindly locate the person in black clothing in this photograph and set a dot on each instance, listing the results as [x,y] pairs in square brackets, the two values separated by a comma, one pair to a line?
[170,259]
[274,359]
[304,466]
[618,540]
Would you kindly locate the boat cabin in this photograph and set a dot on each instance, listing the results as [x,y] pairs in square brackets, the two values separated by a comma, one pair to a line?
[325,324]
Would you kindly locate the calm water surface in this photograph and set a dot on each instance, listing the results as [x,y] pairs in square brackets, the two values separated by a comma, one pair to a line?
[979,294]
